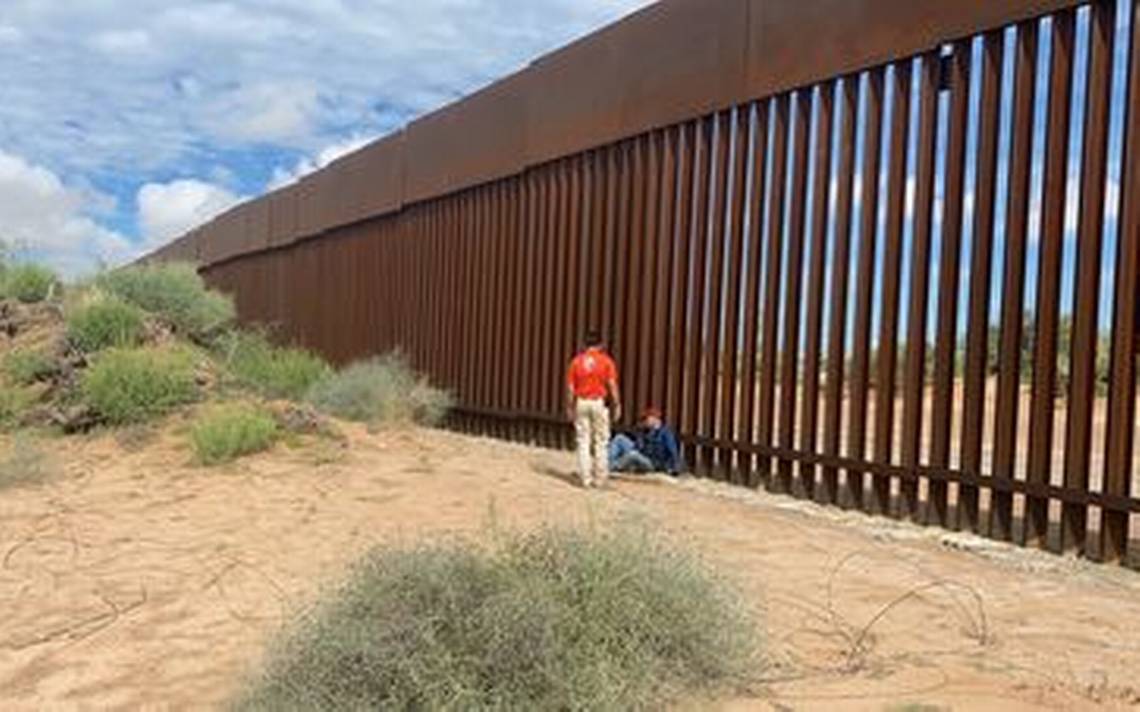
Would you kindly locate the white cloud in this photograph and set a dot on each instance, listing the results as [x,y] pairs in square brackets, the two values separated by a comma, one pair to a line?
[167,210]
[127,93]
[284,176]
[265,112]
[122,42]
[48,220]
[219,76]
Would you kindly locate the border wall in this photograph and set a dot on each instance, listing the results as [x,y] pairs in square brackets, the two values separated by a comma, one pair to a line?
[878,253]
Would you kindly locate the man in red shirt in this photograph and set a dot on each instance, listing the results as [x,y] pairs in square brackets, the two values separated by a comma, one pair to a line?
[590,381]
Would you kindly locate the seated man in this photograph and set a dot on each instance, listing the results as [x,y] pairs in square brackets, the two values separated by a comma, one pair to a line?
[651,448]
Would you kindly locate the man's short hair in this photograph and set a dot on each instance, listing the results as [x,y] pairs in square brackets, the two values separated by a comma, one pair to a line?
[652,412]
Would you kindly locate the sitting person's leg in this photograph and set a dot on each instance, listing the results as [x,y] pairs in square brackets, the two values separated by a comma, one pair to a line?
[635,461]
[620,446]
[625,457]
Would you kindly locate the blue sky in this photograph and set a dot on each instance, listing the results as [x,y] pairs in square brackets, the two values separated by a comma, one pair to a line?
[124,122]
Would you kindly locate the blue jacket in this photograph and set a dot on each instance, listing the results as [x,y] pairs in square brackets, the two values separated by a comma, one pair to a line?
[661,447]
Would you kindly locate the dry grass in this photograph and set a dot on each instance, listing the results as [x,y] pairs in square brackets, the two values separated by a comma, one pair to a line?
[557,620]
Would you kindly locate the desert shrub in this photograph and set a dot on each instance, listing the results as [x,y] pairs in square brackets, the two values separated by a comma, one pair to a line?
[269,370]
[105,323]
[14,403]
[27,366]
[226,433]
[558,620]
[23,463]
[174,292]
[381,390]
[29,283]
[128,386]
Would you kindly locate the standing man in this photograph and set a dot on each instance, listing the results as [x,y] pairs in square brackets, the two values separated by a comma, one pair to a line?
[590,381]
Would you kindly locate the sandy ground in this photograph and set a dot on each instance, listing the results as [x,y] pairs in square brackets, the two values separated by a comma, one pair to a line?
[136,581]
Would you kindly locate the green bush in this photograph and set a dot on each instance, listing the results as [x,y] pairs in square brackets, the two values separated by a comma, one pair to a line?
[29,283]
[14,403]
[381,390]
[27,366]
[272,371]
[557,620]
[105,323]
[128,386]
[174,292]
[229,432]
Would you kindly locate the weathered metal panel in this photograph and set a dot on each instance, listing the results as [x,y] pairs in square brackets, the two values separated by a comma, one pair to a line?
[1119,465]
[675,407]
[477,139]
[793,43]
[943,407]
[981,267]
[284,215]
[1078,442]
[1047,328]
[884,436]
[227,236]
[258,226]
[793,285]
[643,305]
[864,284]
[1013,283]
[664,246]
[672,61]
[773,260]
[698,290]
[914,370]
[847,100]
[369,182]
[752,290]
[308,214]
[817,283]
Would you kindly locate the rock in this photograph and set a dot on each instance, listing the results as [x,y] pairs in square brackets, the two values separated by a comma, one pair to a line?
[157,332]
[75,419]
[302,420]
[38,416]
[17,318]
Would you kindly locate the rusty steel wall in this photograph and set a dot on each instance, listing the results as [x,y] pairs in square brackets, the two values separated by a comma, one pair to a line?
[932,357]
[666,64]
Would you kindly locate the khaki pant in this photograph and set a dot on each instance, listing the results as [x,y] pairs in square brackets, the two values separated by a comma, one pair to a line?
[592,427]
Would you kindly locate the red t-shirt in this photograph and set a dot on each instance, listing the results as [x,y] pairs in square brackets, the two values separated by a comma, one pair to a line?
[589,373]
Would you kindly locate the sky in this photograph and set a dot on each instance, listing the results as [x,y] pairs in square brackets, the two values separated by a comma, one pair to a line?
[124,123]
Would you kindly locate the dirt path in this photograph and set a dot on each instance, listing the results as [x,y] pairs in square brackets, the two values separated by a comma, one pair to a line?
[136,581]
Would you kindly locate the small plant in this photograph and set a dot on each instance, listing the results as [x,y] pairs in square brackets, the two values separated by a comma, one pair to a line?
[559,620]
[130,386]
[23,464]
[381,390]
[24,367]
[229,432]
[174,292]
[29,283]
[105,323]
[14,403]
[272,371]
